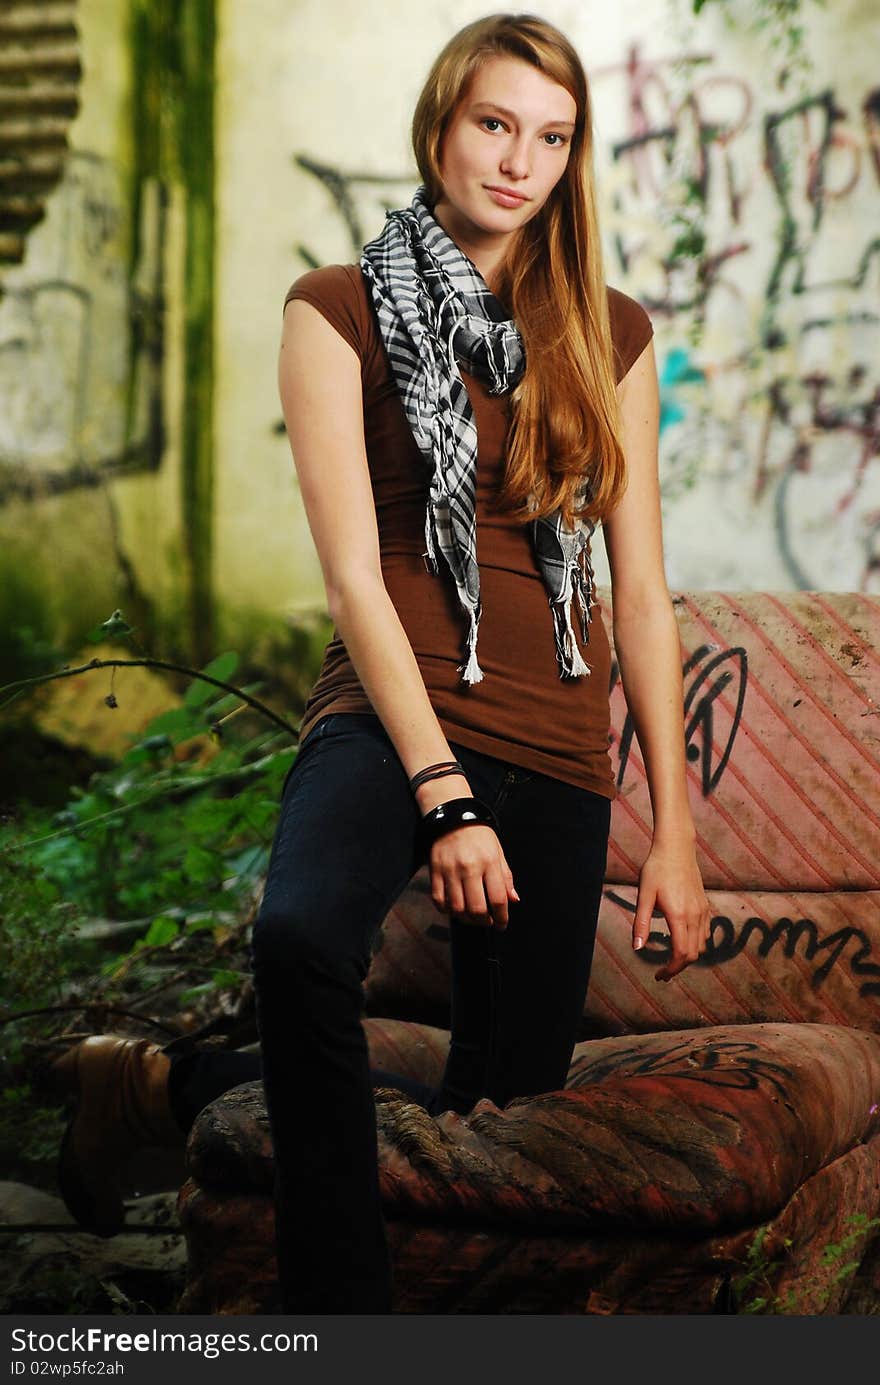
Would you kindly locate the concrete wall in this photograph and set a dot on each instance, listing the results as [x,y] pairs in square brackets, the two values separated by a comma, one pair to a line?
[90,365]
[770,422]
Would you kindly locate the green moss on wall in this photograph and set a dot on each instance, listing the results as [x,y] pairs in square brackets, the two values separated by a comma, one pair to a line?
[173,58]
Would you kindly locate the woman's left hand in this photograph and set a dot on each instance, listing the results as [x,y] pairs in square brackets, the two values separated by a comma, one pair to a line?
[670,881]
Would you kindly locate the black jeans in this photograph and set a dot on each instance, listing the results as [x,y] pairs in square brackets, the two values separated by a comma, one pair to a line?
[344,850]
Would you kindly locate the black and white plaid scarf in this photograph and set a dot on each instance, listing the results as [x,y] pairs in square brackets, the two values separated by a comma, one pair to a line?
[435,309]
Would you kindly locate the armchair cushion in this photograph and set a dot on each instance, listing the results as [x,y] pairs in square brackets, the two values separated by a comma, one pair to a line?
[692,1129]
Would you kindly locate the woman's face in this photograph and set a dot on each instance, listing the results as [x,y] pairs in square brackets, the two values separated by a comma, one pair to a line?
[511,132]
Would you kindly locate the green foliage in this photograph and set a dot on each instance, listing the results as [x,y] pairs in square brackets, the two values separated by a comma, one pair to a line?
[116,627]
[222,669]
[753,1288]
[36,919]
[172,838]
[755,1275]
[155,827]
[30,1133]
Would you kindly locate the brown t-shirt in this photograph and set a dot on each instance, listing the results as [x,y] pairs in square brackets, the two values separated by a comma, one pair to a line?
[522,711]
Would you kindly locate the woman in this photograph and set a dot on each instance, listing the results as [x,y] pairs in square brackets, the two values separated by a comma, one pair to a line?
[462,406]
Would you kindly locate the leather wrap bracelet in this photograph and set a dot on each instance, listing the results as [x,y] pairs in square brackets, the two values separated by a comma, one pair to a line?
[457,812]
[435,772]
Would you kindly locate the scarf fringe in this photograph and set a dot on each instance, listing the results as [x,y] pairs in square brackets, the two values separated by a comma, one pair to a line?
[570,660]
[471,671]
[584,584]
[430,553]
[577,585]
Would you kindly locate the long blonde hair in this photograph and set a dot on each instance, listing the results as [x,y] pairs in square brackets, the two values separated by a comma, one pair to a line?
[564,416]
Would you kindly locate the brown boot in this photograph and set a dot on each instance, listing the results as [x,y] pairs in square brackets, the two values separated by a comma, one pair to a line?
[121,1092]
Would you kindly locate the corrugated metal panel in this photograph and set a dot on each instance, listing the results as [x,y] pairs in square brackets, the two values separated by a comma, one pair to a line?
[40,72]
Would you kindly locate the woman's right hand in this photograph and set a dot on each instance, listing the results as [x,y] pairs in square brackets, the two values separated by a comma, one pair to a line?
[470,877]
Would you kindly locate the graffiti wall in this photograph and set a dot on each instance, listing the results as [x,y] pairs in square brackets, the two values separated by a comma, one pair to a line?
[739,197]
[740,205]
[770,423]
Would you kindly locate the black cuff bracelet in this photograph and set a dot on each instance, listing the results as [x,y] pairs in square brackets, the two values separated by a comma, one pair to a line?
[458,812]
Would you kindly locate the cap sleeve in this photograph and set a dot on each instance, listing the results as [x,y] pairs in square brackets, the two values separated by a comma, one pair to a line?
[631,330]
[332,289]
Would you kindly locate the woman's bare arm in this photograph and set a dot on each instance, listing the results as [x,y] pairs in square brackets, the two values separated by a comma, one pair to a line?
[320,385]
[648,653]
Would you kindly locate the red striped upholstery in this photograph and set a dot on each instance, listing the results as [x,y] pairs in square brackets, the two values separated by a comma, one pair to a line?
[783,709]
[784,747]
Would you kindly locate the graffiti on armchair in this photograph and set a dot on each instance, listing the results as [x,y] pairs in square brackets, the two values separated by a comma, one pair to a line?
[791,937]
[793,934]
[725,1063]
[711,673]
